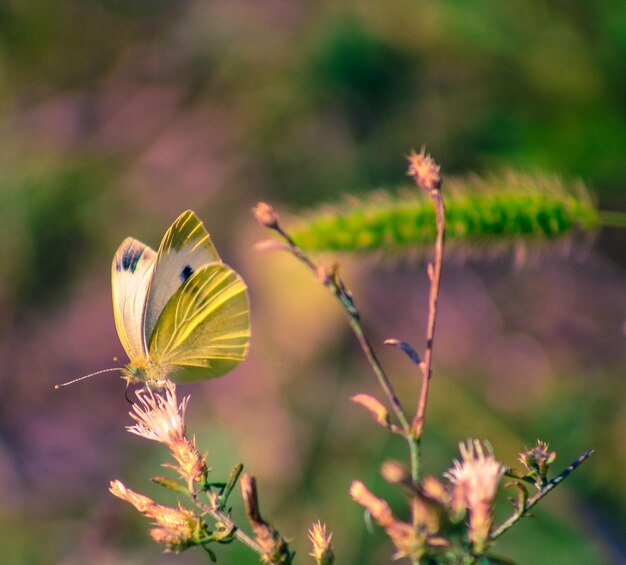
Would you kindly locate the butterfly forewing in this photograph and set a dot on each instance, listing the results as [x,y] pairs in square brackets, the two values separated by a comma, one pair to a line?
[186,247]
[131,273]
[204,329]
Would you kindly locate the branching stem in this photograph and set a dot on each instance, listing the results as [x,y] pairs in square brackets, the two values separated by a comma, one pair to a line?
[334,283]
[549,486]
[227,522]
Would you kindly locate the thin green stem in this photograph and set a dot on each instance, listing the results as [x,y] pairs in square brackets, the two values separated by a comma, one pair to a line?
[550,485]
[372,358]
[228,523]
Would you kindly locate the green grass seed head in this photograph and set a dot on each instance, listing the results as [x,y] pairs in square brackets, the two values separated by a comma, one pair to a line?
[485,217]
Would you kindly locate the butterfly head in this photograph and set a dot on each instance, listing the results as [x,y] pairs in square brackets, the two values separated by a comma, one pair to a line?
[145,372]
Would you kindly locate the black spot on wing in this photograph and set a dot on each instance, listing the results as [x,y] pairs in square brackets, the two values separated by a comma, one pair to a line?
[130,259]
[186,273]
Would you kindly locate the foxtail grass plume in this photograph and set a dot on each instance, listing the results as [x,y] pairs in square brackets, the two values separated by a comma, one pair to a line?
[487,217]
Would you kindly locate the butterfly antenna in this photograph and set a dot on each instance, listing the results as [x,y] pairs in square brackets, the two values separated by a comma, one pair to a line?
[89,376]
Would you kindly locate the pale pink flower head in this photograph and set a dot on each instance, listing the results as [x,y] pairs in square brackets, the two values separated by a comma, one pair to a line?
[159,417]
[476,478]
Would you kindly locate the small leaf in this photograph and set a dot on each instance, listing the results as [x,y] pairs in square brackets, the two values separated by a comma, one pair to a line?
[375,407]
[211,555]
[170,484]
[404,346]
[230,484]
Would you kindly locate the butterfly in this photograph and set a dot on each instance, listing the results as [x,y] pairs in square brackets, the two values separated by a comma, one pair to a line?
[180,313]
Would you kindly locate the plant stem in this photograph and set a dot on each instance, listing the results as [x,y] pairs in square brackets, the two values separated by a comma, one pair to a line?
[228,523]
[521,512]
[434,274]
[337,288]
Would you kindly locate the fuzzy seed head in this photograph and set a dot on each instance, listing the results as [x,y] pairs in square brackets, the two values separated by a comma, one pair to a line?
[425,171]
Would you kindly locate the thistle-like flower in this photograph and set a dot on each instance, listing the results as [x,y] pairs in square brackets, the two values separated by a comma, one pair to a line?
[161,418]
[476,479]
[322,549]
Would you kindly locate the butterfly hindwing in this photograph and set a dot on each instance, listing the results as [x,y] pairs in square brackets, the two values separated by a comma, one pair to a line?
[131,273]
[204,329]
[185,248]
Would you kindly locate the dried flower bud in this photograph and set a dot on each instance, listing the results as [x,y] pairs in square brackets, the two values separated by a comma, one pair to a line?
[476,481]
[375,407]
[435,490]
[427,515]
[170,539]
[322,549]
[424,171]
[275,548]
[538,460]
[409,542]
[394,472]
[265,215]
[139,501]
[175,528]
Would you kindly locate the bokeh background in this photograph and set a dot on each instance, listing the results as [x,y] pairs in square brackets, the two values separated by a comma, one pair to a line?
[115,116]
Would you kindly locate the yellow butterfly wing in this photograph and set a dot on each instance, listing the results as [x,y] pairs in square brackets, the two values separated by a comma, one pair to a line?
[131,273]
[204,329]
[185,248]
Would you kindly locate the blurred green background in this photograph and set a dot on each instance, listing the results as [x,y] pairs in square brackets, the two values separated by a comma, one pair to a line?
[116,115]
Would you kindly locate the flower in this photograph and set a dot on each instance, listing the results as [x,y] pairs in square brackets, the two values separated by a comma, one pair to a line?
[425,171]
[175,528]
[322,549]
[160,418]
[476,481]
[538,460]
